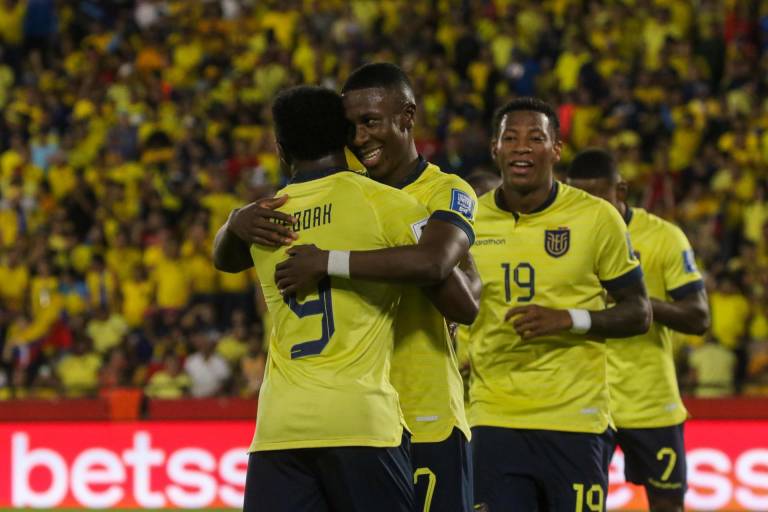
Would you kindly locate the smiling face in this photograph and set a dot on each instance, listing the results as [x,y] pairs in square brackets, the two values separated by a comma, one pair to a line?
[525,150]
[382,120]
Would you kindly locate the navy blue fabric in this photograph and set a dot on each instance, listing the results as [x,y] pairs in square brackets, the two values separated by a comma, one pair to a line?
[642,464]
[451,463]
[344,479]
[536,470]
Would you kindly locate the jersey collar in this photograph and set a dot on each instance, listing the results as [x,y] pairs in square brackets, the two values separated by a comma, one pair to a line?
[543,206]
[421,165]
[316,175]
[628,213]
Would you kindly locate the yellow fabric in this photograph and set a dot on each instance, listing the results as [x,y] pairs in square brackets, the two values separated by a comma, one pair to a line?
[137,298]
[79,374]
[337,394]
[231,349]
[12,23]
[106,333]
[165,386]
[555,382]
[641,370]
[13,286]
[172,284]
[729,317]
[425,370]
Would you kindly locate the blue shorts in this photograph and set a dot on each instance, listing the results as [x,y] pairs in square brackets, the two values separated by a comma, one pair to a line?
[345,479]
[539,470]
[443,474]
[655,459]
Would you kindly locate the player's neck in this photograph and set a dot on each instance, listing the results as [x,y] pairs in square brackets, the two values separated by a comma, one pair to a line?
[525,202]
[332,161]
[404,168]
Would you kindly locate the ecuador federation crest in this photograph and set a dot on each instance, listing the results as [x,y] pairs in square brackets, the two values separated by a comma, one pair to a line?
[557,241]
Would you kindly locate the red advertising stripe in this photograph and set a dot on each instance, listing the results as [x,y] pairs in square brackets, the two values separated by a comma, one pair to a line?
[203,464]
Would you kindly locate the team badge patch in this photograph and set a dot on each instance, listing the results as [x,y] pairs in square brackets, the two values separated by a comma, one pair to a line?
[689,262]
[462,203]
[557,241]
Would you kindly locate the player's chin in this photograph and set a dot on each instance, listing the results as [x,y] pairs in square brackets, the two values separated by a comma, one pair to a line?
[522,182]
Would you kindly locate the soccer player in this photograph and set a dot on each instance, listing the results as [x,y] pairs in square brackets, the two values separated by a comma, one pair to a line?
[329,431]
[645,401]
[379,101]
[547,253]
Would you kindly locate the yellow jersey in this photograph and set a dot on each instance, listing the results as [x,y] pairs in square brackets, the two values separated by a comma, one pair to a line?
[641,370]
[327,378]
[565,254]
[425,370]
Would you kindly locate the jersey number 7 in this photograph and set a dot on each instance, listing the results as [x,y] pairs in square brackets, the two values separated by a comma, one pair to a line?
[322,306]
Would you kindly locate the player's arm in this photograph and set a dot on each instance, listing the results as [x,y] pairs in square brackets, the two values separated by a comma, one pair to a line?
[630,316]
[443,242]
[458,297]
[426,263]
[688,311]
[255,223]
[619,273]
[689,315]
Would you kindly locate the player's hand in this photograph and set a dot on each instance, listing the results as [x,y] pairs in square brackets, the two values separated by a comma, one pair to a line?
[303,269]
[259,223]
[536,321]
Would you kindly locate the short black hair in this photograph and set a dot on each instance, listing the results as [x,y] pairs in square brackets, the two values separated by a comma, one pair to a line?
[310,122]
[379,74]
[527,103]
[593,163]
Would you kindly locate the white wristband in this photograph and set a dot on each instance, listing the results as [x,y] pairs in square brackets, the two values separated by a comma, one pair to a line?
[581,319]
[338,263]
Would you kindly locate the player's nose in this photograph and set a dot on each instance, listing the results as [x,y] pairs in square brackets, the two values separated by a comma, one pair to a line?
[360,136]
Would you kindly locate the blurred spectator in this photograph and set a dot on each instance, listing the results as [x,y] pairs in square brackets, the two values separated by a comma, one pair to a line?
[252,367]
[78,371]
[169,382]
[712,370]
[106,329]
[208,372]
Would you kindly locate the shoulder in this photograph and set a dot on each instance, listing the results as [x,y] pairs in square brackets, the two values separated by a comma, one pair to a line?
[587,205]
[662,227]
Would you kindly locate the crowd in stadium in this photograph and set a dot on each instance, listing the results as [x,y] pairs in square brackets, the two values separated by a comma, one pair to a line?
[130,130]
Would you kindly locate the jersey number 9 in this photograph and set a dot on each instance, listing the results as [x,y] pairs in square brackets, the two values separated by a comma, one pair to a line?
[322,306]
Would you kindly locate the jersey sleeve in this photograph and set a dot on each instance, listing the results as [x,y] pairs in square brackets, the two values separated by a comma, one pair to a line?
[681,276]
[616,263]
[401,217]
[454,201]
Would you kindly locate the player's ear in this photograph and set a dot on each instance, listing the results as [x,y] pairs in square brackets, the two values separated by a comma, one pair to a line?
[408,116]
[494,151]
[285,160]
[622,190]
[557,148]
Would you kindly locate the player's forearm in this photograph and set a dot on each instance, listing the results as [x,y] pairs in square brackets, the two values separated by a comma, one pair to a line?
[686,316]
[413,265]
[631,316]
[230,254]
[458,297]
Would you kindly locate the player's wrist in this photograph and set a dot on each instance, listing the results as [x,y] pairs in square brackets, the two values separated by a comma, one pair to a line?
[338,264]
[581,321]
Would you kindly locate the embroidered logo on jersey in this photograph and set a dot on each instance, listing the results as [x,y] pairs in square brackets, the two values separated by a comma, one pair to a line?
[689,262]
[462,203]
[557,241]
[417,228]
